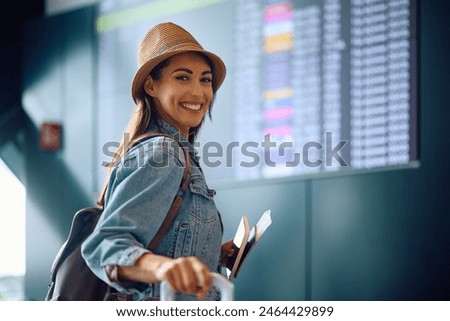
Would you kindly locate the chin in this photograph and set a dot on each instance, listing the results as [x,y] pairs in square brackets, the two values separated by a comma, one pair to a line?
[195,124]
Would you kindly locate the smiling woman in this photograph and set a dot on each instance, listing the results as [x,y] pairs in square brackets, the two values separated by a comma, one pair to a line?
[12,235]
[173,89]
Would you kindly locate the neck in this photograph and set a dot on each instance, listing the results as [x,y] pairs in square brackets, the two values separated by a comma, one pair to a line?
[185,133]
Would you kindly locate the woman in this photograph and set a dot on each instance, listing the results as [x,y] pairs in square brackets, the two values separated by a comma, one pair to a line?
[173,89]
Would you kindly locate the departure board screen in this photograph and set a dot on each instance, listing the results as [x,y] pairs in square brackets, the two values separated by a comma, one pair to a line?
[334,81]
[313,86]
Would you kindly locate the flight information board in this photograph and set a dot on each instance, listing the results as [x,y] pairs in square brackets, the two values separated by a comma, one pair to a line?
[330,84]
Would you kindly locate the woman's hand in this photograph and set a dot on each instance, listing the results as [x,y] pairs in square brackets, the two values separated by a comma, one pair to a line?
[226,252]
[187,275]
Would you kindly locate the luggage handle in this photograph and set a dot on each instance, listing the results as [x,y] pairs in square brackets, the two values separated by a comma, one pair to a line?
[225,287]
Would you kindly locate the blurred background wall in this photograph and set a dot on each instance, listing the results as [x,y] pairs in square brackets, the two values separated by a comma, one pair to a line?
[371,236]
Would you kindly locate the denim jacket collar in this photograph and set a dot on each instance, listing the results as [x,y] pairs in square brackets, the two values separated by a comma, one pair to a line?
[162,126]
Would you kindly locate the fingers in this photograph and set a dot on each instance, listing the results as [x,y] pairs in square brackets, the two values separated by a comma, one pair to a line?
[204,280]
[226,252]
[187,275]
[189,278]
[227,248]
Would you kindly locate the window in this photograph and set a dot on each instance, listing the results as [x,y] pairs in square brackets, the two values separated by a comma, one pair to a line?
[12,235]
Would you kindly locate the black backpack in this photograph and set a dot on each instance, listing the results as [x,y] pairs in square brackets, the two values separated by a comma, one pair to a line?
[71,278]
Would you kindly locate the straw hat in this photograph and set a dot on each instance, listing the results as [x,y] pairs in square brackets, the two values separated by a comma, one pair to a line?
[163,41]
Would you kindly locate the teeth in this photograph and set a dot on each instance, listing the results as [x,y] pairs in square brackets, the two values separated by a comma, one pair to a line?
[192,106]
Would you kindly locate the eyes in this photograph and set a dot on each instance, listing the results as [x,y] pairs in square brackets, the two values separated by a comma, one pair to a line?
[187,77]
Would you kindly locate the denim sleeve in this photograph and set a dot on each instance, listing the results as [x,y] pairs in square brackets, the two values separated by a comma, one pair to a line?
[142,192]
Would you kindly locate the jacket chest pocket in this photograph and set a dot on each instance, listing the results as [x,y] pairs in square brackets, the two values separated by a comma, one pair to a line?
[204,207]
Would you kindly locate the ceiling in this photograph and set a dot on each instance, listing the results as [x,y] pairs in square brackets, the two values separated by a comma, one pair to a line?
[12,18]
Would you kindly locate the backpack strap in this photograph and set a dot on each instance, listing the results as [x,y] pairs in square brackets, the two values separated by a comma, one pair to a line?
[176,203]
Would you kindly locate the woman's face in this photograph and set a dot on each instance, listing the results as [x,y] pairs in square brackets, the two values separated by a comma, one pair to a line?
[183,93]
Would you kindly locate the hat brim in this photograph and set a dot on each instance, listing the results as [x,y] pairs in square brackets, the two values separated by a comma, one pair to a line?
[219,72]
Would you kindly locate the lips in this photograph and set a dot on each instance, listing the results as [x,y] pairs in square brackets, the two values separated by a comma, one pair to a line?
[191,106]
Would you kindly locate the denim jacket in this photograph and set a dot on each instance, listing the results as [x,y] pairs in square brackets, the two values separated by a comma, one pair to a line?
[139,194]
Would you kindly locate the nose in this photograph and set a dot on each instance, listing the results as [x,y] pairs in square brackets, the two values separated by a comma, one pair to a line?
[196,89]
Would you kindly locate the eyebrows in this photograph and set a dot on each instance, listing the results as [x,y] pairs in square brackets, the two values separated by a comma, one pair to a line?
[206,72]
